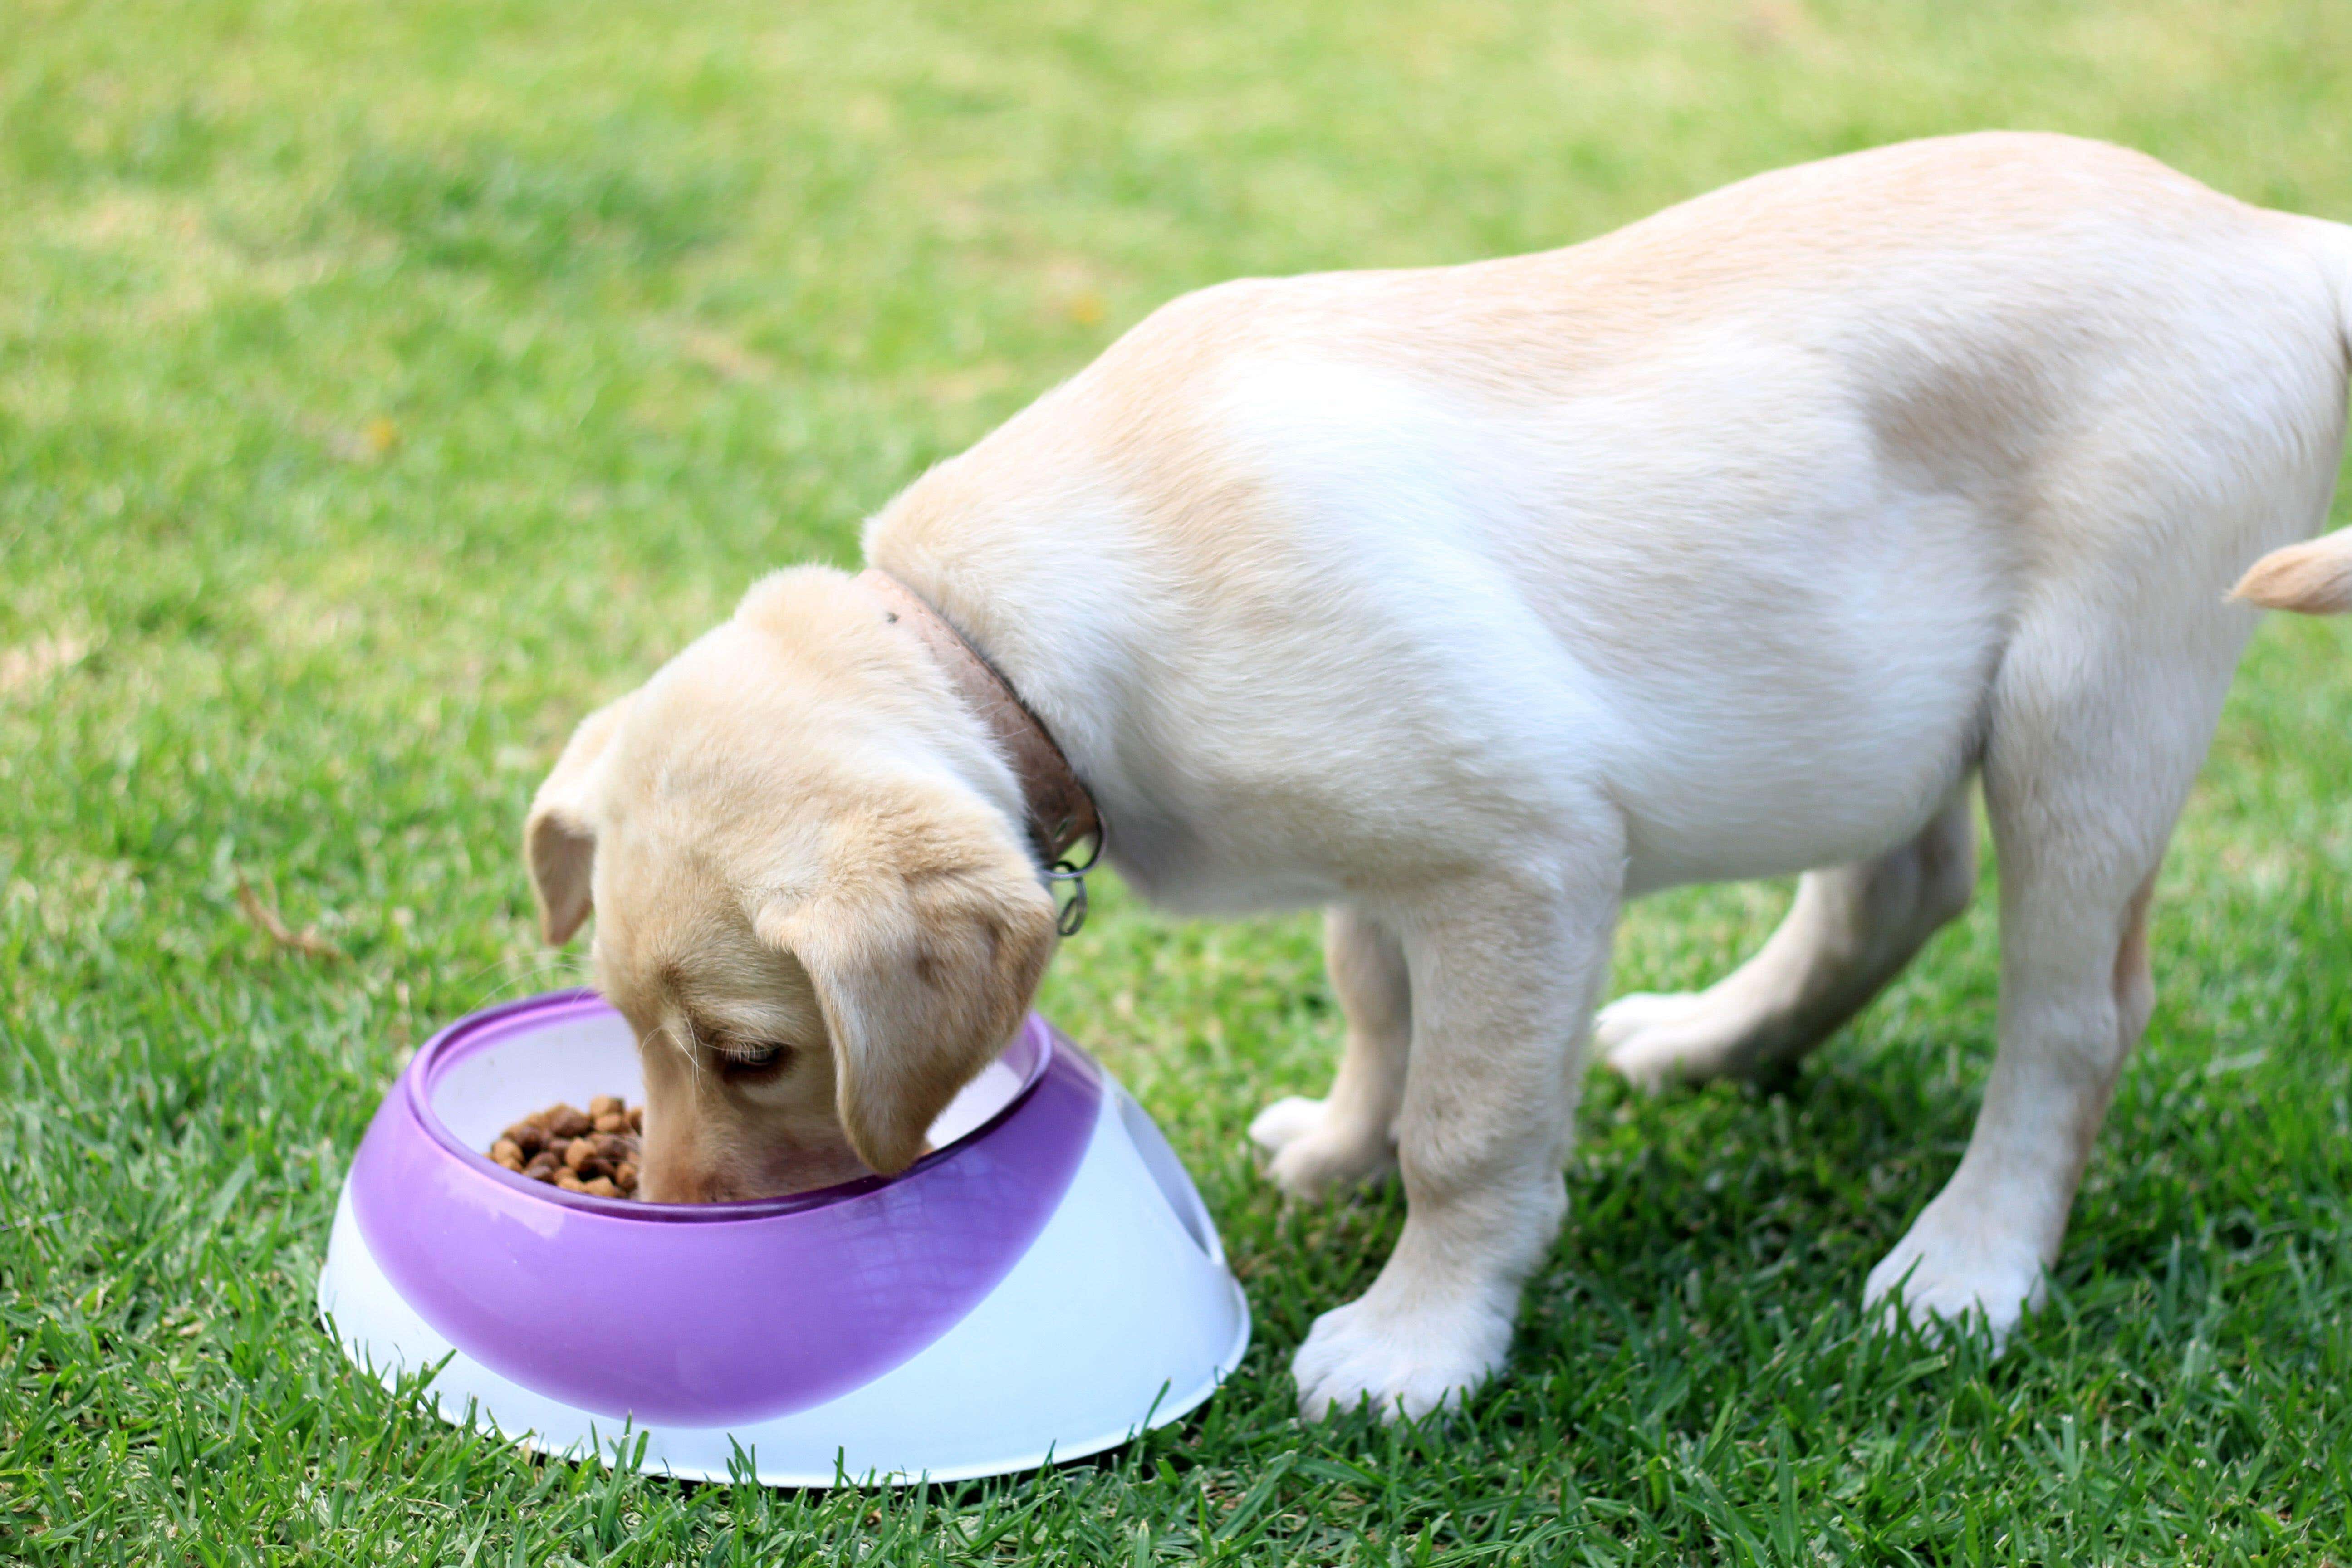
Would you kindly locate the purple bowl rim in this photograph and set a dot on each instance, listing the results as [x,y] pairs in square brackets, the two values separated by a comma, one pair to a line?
[458,1039]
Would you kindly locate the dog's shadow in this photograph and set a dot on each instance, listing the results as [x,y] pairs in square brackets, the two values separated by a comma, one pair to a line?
[1798,1185]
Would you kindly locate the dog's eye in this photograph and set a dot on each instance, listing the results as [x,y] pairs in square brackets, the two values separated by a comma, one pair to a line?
[753,1056]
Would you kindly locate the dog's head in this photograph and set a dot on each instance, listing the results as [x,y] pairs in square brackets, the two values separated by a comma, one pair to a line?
[819,928]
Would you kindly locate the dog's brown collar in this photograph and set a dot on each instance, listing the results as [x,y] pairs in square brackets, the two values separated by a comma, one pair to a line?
[1061,810]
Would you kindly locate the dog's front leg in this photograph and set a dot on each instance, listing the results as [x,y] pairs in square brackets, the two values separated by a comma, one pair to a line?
[1505,972]
[1349,1135]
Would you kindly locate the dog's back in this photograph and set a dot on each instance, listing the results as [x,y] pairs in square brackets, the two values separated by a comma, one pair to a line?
[1748,497]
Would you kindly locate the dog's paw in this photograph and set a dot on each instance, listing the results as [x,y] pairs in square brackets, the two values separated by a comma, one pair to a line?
[1404,1364]
[1284,1122]
[1944,1272]
[1655,1041]
[1630,1014]
[1652,1040]
[1309,1152]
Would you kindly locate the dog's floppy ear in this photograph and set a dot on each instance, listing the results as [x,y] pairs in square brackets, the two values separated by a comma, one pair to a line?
[925,946]
[559,837]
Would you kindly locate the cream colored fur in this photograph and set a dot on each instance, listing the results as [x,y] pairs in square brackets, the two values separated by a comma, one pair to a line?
[1472,602]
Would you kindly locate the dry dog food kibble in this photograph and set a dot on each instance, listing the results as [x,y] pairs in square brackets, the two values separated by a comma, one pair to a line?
[592,1150]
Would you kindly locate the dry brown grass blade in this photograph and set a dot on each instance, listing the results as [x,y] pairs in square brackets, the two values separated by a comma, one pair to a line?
[268,921]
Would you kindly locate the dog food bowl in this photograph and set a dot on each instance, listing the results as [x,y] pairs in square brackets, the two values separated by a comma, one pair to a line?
[1044,1284]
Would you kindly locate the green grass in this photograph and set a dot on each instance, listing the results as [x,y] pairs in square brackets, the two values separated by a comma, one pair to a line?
[381,386]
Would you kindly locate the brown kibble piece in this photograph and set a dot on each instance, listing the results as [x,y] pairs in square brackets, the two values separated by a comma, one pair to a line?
[595,1151]
[563,1121]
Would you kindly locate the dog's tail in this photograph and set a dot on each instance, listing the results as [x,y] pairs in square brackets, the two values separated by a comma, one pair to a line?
[2312,578]
[2315,579]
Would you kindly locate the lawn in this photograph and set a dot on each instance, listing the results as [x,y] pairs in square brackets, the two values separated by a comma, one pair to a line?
[383,386]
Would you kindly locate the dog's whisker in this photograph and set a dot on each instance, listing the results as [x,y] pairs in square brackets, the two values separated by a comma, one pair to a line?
[544,966]
[530,977]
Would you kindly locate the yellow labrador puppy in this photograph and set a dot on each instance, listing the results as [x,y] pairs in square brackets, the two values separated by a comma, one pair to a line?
[1471,603]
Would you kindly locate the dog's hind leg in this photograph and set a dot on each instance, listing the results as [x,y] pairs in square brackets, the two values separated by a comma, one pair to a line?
[1850,931]
[1349,1134]
[1983,1245]
[2098,725]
